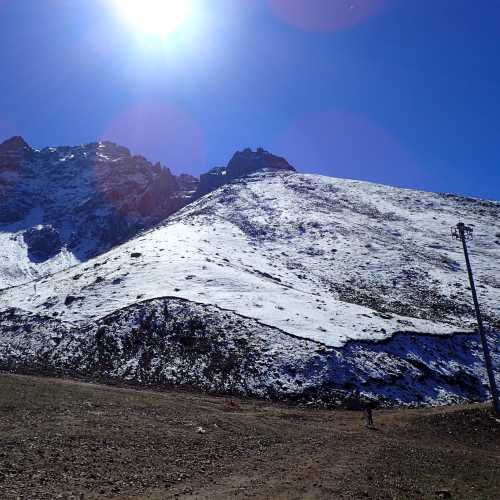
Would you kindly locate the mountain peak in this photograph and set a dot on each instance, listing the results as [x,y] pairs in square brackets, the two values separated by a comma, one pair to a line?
[13,152]
[14,144]
[248,161]
[242,163]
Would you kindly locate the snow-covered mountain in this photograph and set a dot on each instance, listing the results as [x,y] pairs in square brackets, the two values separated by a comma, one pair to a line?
[277,284]
[60,206]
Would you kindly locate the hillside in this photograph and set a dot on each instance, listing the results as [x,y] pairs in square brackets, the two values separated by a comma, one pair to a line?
[277,284]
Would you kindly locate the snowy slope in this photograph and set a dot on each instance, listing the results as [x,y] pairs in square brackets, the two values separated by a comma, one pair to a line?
[319,258]
[312,260]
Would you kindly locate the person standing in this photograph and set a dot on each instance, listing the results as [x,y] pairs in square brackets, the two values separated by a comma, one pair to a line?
[368,414]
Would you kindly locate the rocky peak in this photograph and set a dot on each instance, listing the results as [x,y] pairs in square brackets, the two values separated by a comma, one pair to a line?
[13,145]
[12,152]
[242,163]
[248,161]
[112,148]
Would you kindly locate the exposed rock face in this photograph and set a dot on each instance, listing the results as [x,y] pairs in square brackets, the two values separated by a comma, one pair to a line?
[187,184]
[13,153]
[242,163]
[213,179]
[85,199]
[43,242]
[247,161]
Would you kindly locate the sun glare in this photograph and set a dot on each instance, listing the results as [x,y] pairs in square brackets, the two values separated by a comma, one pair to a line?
[158,18]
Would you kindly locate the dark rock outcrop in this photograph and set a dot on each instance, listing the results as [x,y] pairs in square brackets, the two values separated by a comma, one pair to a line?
[13,153]
[43,243]
[187,183]
[242,163]
[213,179]
[247,161]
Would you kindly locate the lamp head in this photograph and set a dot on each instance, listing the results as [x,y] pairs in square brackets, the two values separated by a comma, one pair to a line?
[462,231]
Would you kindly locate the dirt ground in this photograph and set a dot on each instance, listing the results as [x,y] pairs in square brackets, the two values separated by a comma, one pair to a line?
[69,439]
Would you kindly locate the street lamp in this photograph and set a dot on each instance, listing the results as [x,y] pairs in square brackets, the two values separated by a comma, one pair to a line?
[465,233]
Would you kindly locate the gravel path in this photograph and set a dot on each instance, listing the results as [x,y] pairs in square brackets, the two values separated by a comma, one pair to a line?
[69,439]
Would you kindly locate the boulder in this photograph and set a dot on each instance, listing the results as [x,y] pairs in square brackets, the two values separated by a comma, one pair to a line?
[43,243]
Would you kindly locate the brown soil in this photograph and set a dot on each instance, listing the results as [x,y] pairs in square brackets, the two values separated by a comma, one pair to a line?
[68,439]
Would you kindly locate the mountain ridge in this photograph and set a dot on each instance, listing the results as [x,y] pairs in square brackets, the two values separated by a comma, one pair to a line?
[61,206]
[286,285]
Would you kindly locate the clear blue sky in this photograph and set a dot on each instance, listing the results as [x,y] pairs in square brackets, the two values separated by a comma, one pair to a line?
[403,92]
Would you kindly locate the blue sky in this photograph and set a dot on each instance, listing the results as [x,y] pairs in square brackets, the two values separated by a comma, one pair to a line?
[403,92]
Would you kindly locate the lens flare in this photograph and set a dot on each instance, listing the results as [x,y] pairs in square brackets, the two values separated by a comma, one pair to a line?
[326,15]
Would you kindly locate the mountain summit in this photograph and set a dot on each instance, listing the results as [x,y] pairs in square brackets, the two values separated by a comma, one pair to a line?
[14,147]
[242,163]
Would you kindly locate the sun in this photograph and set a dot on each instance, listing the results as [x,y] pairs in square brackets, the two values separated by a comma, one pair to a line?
[158,18]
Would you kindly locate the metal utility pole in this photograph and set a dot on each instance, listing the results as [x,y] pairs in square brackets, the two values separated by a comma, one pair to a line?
[465,233]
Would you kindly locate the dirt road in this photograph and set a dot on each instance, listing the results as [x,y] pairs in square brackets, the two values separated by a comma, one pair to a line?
[68,439]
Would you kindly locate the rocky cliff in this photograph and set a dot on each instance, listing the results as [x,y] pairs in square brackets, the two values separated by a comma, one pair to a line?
[60,206]
[242,163]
